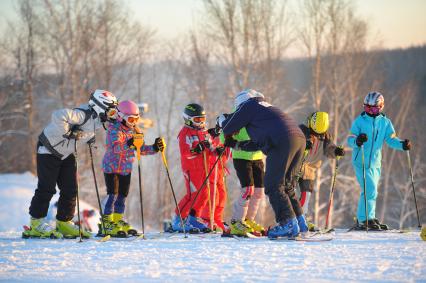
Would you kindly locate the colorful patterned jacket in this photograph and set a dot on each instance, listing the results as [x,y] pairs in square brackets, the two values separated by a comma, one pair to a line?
[119,156]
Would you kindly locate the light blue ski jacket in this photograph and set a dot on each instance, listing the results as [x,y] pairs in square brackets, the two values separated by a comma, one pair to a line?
[378,130]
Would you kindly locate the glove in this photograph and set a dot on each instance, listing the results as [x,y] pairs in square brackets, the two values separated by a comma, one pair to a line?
[130,142]
[206,143]
[198,148]
[406,144]
[214,132]
[308,145]
[220,119]
[91,141]
[230,142]
[219,150]
[339,151]
[159,144]
[74,133]
[360,139]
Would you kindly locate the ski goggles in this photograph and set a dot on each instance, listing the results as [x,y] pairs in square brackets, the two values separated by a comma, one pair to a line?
[199,119]
[373,109]
[133,119]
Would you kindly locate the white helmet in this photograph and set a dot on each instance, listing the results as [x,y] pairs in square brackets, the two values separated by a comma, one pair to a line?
[101,100]
[374,103]
[246,95]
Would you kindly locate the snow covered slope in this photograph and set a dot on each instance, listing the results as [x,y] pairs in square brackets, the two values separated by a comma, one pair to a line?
[354,256]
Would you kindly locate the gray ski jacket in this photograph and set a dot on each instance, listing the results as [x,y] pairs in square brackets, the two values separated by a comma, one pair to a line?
[55,136]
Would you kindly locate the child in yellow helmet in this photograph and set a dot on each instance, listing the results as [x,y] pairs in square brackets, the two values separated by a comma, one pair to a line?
[319,143]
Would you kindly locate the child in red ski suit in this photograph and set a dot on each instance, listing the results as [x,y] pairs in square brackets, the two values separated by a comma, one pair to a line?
[196,151]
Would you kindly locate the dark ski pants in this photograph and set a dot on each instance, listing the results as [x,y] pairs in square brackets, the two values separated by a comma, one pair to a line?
[283,161]
[249,172]
[52,171]
[117,189]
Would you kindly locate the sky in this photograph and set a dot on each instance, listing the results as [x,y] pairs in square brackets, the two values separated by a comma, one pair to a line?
[394,23]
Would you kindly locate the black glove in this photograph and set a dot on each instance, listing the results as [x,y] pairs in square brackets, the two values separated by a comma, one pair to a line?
[198,148]
[219,150]
[360,139]
[339,151]
[130,142]
[214,132]
[230,142]
[91,141]
[406,144]
[158,144]
[74,133]
[308,145]
[206,143]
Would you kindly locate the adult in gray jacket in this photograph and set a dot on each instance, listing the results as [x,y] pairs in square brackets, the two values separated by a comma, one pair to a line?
[56,163]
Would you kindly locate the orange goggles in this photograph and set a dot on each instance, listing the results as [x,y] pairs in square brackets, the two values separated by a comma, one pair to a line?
[132,119]
[199,119]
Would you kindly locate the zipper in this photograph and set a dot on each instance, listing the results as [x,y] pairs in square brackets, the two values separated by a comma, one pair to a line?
[372,142]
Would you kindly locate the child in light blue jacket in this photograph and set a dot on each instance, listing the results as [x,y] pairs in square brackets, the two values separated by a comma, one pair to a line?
[370,130]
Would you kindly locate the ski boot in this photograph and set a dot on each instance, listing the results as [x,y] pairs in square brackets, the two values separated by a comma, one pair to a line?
[423,233]
[197,223]
[372,225]
[126,227]
[381,225]
[257,229]
[312,227]
[111,228]
[176,226]
[303,224]
[39,228]
[70,230]
[239,228]
[289,229]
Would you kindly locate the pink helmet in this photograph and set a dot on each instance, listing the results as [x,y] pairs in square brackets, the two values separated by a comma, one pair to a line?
[128,111]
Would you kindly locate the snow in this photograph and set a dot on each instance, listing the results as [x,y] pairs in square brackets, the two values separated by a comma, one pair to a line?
[354,256]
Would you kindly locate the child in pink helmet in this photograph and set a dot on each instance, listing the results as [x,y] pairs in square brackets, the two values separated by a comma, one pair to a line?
[117,167]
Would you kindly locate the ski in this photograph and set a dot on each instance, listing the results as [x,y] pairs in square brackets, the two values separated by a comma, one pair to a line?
[303,239]
[355,229]
[239,238]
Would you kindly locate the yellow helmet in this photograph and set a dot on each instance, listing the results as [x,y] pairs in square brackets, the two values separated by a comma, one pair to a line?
[318,122]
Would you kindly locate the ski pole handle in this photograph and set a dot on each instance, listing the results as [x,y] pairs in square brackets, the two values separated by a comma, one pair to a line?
[138,141]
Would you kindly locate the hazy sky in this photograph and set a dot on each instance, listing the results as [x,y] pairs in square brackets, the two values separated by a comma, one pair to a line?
[399,23]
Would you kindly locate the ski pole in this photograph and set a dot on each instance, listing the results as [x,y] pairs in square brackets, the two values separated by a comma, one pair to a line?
[138,141]
[106,237]
[333,185]
[412,186]
[171,187]
[205,181]
[365,187]
[209,191]
[77,185]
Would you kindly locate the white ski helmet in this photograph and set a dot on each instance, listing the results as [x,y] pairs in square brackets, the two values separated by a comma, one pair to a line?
[246,95]
[374,103]
[101,100]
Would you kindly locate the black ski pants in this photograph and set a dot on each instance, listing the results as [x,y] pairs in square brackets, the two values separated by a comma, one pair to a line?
[283,162]
[52,171]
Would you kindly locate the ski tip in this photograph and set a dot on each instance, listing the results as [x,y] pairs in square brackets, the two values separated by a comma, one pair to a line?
[104,239]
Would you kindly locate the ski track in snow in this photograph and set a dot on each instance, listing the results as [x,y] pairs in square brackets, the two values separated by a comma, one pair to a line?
[350,257]
[353,256]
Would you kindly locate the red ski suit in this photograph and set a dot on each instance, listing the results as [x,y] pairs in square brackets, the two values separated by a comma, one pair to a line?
[218,192]
[194,172]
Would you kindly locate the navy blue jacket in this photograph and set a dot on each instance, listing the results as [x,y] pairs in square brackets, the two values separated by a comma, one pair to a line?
[266,125]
